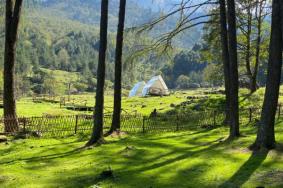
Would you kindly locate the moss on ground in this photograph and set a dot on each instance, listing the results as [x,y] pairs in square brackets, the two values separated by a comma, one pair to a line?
[200,158]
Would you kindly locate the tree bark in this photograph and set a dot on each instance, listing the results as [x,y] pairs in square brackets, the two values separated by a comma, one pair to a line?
[248,50]
[13,13]
[225,57]
[116,120]
[234,82]
[97,135]
[265,135]
[259,20]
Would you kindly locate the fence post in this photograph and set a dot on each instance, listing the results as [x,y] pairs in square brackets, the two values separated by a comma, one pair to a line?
[214,118]
[143,124]
[251,115]
[76,125]
[279,109]
[24,121]
[177,123]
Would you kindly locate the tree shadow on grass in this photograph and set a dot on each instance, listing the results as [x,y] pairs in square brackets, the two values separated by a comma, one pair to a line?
[246,170]
[44,157]
[128,175]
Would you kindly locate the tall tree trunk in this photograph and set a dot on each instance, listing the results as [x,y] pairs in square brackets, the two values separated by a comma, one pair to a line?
[97,135]
[234,82]
[116,120]
[225,57]
[248,50]
[265,136]
[259,19]
[13,13]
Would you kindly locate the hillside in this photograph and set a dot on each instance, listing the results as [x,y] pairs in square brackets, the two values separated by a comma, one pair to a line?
[60,35]
[137,13]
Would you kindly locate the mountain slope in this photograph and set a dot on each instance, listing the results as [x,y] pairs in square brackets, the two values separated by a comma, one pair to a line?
[137,13]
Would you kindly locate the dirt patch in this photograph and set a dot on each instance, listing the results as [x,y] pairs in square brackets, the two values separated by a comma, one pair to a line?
[243,150]
[118,134]
[3,138]
[129,151]
[3,178]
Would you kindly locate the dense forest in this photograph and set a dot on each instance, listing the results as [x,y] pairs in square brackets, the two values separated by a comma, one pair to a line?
[55,35]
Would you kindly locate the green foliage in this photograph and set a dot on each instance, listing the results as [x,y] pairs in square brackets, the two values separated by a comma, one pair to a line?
[183,82]
[213,74]
[186,63]
[61,36]
[211,50]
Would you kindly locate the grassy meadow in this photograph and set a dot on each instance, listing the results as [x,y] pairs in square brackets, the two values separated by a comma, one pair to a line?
[194,158]
[141,105]
[185,159]
[26,106]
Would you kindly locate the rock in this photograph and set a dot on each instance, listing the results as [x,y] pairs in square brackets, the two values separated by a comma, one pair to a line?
[190,97]
[36,134]
[3,139]
[197,107]
[127,148]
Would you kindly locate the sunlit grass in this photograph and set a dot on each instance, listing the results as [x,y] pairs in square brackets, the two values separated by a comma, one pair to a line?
[199,158]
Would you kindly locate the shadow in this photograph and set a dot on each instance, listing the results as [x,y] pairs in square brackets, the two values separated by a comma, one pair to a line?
[212,148]
[177,135]
[178,160]
[246,170]
[126,174]
[45,157]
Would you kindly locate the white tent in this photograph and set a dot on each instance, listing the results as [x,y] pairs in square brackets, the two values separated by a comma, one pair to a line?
[137,89]
[155,86]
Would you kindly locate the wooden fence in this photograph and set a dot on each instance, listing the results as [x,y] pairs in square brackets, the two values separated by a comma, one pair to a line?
[54,126]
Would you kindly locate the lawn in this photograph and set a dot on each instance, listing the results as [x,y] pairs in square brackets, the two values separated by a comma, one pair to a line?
[142,105]
[200,158]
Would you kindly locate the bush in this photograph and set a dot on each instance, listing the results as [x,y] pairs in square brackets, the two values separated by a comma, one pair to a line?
[183,82]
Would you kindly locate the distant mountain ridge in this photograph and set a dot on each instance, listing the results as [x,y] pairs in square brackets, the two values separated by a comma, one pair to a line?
[137,13]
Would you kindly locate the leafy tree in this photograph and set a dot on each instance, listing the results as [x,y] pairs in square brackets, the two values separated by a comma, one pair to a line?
[183,82]
[213,74]
[251,17]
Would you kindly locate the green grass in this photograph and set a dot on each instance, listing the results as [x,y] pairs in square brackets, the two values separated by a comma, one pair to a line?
[195,158]
[62,76]
[199,158]
[141,105]
[26,107]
